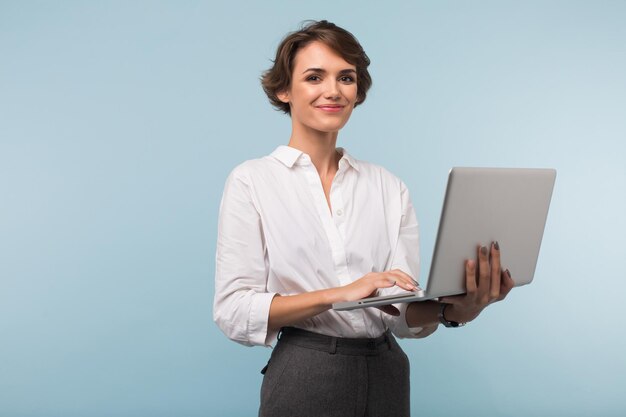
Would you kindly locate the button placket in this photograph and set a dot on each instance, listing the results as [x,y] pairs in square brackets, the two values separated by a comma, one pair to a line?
[333,233]
[337,203]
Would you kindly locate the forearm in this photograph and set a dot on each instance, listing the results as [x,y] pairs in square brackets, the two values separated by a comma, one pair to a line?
[290,309]
[426,314]
[423,314]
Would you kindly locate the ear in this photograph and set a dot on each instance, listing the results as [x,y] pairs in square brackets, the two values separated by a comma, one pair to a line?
[283,96]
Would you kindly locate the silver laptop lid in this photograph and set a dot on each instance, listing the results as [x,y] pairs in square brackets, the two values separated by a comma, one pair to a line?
[483,205]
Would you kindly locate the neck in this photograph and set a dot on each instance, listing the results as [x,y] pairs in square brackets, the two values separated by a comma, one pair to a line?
[320,146]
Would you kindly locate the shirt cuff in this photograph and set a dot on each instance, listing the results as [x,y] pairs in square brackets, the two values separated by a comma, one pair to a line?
[402,329]
[258,333]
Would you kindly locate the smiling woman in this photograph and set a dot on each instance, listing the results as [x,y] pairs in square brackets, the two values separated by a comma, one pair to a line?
[341,42]
[309,226]
[324,85]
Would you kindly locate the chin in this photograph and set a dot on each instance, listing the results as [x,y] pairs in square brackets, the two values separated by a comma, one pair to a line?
[330,127]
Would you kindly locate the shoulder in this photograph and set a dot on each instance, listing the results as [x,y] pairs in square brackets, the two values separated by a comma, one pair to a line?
[377,173]
[247,170]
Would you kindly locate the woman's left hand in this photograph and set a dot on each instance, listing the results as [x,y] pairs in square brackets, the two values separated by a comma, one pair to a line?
[486,283]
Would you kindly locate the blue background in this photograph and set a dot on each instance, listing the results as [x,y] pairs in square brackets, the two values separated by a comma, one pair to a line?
[119,122]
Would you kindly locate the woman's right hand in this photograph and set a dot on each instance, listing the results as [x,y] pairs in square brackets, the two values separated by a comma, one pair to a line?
[370,283]
[291,309]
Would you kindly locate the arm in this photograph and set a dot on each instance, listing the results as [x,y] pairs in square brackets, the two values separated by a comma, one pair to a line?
[241,302]
[288,310]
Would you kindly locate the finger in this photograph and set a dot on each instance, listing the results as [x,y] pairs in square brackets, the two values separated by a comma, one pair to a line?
[404,277]
[409,279]
[389,309]
[385,282]
[470,276]
[403,280]
[483,271]
[506,284]
[494,288]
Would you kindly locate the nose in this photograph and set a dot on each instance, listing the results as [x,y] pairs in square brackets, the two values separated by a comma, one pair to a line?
[332,90]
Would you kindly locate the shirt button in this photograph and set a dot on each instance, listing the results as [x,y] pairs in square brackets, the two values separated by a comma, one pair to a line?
[339,212]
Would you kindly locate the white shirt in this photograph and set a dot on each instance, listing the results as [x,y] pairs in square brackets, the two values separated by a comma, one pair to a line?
[276,234]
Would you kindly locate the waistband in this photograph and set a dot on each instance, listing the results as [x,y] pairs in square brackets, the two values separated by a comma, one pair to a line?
[331,344]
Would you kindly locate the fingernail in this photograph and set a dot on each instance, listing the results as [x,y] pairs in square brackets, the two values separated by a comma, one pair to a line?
[495,245]
[483,250]
[415,283]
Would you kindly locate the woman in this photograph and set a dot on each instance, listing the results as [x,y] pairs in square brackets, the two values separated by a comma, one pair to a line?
[309,226]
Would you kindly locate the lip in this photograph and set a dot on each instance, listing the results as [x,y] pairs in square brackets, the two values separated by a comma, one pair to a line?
[330,108]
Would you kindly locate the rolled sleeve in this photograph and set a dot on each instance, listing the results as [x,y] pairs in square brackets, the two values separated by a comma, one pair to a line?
[242,303]
[259,313]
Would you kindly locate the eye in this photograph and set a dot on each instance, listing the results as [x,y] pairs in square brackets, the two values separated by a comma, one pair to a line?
[313,78]
[348,79]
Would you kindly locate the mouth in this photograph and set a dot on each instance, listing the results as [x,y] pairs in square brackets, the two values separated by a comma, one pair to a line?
[331,108]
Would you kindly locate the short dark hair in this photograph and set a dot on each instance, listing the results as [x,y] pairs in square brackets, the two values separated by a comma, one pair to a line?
[278,78]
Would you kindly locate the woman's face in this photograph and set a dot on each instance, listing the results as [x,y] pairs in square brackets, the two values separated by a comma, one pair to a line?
[323,89]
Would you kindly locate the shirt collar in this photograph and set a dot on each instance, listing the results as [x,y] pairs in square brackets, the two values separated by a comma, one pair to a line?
[291,156]
[287,155]
[348,158]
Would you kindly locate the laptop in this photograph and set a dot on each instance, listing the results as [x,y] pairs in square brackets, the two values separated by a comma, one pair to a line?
[482,205]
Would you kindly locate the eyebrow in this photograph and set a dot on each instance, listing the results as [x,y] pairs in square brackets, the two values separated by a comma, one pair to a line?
[323,71]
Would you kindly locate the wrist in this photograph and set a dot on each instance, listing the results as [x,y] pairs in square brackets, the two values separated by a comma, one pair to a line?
[332,296]
[448,318]
[454,313]
[450,313]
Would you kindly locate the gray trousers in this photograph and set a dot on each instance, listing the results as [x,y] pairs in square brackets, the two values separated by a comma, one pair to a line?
[320,376]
